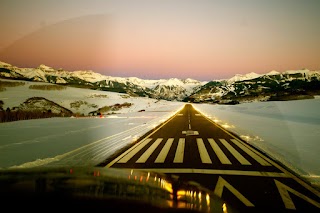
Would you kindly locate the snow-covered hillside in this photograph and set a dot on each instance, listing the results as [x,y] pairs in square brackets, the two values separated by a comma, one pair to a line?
[78,100]
[240,77]
[168,89]
[305,73]
[274,85]
[251,87]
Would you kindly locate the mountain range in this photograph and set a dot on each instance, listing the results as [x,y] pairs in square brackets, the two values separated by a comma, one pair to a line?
[288,85]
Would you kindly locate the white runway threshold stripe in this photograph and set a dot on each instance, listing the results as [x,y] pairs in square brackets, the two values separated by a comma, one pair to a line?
[252,154]
[205,158]
[222,157]
[134,151]
[178,158]
[232,146]
[164,152]
[149,151]
[235,153]
[116,160]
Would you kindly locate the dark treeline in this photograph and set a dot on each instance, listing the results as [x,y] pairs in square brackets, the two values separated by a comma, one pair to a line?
[47,87]
[8,115]
[11,83]
[4,84]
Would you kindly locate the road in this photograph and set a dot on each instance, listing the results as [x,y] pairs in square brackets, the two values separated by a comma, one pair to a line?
[193,147]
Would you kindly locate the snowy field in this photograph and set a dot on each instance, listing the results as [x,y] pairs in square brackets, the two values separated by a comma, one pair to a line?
[287,131]
[39,142]
[13,96]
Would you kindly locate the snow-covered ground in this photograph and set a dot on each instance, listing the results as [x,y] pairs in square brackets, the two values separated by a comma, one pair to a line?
[287,131]
[38,142]
[13,96]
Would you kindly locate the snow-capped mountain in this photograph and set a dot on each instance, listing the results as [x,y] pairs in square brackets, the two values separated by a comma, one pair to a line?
[287,85]
[239,77]
[169,89]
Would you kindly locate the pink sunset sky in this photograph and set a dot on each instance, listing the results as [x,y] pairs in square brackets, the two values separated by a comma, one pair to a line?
[151,39]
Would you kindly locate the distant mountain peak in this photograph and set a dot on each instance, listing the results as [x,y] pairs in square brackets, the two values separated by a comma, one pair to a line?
[296,71]
[172,82]
[190,81]
[45,68]
[3,64]
[240,77]
[273,72]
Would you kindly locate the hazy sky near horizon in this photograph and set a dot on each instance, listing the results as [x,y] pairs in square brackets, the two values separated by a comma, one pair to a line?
[152,39]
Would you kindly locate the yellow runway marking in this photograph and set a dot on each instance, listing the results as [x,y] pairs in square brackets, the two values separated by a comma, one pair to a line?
[164,152]
[178,158]
[205,158]
[235,153]
[222,157]
[127,157]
